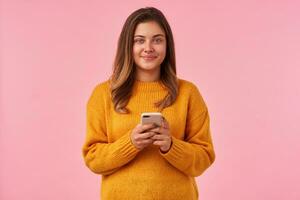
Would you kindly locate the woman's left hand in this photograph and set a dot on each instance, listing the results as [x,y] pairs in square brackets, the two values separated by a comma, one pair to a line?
[163,138]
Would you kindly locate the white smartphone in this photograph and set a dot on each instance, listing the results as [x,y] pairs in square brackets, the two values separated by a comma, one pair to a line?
[151,117]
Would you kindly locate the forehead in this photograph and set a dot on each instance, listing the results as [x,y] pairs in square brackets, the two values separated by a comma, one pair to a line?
[148,29]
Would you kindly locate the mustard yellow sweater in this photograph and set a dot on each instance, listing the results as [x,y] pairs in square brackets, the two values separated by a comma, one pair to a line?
[132,174]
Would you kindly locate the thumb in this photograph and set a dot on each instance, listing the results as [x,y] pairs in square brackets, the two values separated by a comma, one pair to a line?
[165,123]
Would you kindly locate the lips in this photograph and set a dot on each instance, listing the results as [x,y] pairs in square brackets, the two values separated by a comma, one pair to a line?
[149,58]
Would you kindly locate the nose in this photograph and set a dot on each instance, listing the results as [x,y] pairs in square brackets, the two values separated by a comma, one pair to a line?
[148,47]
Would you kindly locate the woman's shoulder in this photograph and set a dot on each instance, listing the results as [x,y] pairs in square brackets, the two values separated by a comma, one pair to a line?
[102,86]
[99,93]
[190,89]
[101,90]
[186,85]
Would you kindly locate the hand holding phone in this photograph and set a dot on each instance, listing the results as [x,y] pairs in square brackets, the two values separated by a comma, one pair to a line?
[141,137]
[162,138]
[153,129]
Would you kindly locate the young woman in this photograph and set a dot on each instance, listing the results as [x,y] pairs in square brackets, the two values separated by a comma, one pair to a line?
[144,161]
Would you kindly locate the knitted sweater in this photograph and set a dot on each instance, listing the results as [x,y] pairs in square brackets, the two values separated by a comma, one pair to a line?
[132,174]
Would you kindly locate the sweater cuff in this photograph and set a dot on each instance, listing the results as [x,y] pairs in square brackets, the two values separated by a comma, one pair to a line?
[175,152]
[128,149]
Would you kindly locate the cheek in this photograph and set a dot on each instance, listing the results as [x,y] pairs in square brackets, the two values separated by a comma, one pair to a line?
[136,51]
[162,51]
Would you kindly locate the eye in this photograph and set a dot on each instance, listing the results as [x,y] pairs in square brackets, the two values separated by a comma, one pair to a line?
[139,41]
[158,40]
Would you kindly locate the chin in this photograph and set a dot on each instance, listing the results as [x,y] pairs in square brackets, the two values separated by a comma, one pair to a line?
[148,67]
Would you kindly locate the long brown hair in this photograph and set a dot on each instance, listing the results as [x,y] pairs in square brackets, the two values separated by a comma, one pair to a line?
[123,77]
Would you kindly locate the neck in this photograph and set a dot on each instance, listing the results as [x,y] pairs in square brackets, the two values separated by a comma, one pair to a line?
[148,76]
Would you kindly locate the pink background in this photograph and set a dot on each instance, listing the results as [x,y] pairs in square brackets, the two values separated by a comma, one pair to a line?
[243,55]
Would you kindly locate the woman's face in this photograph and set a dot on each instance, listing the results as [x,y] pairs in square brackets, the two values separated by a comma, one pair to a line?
[149,47]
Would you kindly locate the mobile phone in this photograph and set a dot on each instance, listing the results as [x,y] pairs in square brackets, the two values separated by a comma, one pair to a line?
[151,117]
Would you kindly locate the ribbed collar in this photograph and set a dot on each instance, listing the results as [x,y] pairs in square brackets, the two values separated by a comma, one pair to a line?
[148,86]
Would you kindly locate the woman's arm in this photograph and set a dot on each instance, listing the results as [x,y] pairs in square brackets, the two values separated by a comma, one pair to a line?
[100,156]
[195,154]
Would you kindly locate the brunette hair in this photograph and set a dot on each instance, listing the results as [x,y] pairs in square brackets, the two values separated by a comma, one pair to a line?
[123,76]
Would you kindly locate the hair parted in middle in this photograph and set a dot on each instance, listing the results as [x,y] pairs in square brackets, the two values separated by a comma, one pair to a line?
[124,69]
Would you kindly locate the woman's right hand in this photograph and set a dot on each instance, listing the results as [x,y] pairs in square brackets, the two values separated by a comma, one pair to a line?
[141,135]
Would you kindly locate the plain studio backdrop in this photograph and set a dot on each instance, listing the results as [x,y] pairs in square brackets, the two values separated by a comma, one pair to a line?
[244,56]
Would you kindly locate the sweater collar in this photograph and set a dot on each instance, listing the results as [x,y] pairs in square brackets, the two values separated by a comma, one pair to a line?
[148,86]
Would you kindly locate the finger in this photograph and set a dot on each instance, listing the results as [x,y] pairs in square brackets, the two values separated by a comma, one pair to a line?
[159,137]
[157,129]
[145,135]
[146,127]
[165,123]
[162,121]
[143,142]
[161,131]
[159,143]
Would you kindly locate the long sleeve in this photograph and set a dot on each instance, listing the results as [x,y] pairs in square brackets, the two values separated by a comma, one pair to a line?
[195,154]
[100,156]
[130,173]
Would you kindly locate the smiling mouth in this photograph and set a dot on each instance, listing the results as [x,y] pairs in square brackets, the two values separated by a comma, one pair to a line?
[149,57]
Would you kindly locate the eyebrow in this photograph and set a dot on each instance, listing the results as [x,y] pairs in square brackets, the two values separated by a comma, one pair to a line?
[157,35]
